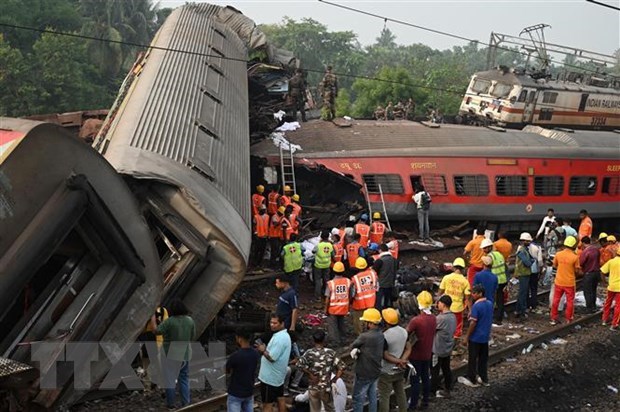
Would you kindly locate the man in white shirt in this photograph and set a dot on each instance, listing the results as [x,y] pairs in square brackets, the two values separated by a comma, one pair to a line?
[544,227]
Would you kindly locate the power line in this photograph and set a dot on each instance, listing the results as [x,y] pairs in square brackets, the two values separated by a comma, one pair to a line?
[598,3]
[443,33]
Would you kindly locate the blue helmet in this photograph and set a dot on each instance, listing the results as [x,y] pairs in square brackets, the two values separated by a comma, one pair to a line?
[373,246]
[364,217]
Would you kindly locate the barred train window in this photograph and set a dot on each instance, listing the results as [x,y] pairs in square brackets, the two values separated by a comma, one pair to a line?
[471,185]
[548,185]
[611,185]
[390,183]
[435,184]
[582,186]
[545,114]
[511,185]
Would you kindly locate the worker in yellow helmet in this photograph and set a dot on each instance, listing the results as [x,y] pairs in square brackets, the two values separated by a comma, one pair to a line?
[566,262]
[285,199]
[456,286]
[258,199]
[338,294]
[377,229]
[366,285]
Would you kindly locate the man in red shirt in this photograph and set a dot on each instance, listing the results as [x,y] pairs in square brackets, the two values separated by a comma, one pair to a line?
[424,326]
[589,262]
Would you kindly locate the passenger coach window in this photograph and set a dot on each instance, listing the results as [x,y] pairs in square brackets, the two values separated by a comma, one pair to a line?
[390,183]
[582,186]
[522,96]
[471,185]
[548,185]
[511,185]
[611,185]
[435,184]
[549,97]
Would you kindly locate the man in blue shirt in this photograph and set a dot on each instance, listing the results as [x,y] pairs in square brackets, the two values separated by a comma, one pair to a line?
[287,302]
[273,364]
[477,338]
[487,279]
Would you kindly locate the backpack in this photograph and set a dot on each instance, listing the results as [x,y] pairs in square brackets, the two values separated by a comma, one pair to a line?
[425,200]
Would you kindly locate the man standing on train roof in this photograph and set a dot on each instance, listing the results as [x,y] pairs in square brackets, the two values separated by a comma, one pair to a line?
[258,199]
[330,92]
[566,262]
[585,227]
[422,200]
[297,92]
[475,253]
[377,229]
[544,226]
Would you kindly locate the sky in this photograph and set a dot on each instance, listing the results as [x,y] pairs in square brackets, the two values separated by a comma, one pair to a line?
[574,23]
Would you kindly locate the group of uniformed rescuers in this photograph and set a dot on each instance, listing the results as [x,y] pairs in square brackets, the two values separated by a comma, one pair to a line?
[354,272]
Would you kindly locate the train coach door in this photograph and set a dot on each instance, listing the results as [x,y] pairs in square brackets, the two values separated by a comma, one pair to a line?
[530,104]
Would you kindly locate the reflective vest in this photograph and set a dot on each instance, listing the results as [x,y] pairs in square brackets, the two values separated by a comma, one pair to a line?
[287,228]
[365,290]
[394,251]
[275,231]
[499,266]
[353,252]
[285,200]
[339,288]
[272,205]
[296,208]
[338,253]
[294,223]
[363,230]
[261,225]
[377,229]
[323,257]
[293,260]
[342,234]
[257,201]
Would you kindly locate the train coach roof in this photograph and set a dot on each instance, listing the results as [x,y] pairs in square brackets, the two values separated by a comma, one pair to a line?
[525,80]
[369,138]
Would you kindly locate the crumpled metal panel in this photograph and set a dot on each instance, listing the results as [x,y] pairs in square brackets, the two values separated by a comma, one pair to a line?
[10,367]
[183,119]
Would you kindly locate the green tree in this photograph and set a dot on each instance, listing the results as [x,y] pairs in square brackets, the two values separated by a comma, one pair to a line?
[12,70]
[343,103]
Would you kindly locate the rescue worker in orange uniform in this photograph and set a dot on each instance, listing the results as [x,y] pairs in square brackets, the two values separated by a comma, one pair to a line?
[285,199]
[362,229]
[293,218]
[366,285]
[285,223]
[338,250]
[338,294]
[261,235]
[273,199]
[377,229]
[276,236]
[258,199]
[475,254]
[392,244]
[355,250]
[585,227]
[296,205]
[608,251]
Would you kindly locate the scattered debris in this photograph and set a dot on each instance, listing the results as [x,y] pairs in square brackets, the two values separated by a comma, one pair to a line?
[613,389]
[544,346]
[558,341]
[513,336]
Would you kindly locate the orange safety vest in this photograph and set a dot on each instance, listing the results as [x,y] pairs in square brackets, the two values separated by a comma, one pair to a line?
[296,208]
[262,225]
[377,229]
[294,223]
[257,201]
[338,296]
[275,230]
[285,200]
[272,206]
[342,234]
[363,230]
[285,233]
[338,254]
[365,289]
[394,251]
[353,252]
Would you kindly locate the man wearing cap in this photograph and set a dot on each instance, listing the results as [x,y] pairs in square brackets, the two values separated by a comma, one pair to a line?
[477,339]
[536,268]
[394,362]
[456,286]
[385,267]
[323,255]
[338,294]
[566,262]
[475,253]
[285,199]
[258,199]
[362,229]
[367,350]
[522,272]
[487,279]
[589,260]
[612,268]
[366,284]
[297,210]
[423,327]
[498,268]
[377,229]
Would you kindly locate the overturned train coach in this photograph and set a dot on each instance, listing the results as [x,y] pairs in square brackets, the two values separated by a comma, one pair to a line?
[479,173]
[92,242]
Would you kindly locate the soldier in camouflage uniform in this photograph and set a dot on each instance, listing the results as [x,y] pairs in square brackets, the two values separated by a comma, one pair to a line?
[389,111]
[319,363]
[330,92]
[297,92]
[410,109]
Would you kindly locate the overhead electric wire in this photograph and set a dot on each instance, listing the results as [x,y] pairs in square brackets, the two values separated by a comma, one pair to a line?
[444,33]
[598,3]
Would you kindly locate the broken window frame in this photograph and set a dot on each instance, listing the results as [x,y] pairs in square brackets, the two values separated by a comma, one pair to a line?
[582,186]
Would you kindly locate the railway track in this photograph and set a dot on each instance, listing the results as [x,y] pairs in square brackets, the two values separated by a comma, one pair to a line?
[218,402]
